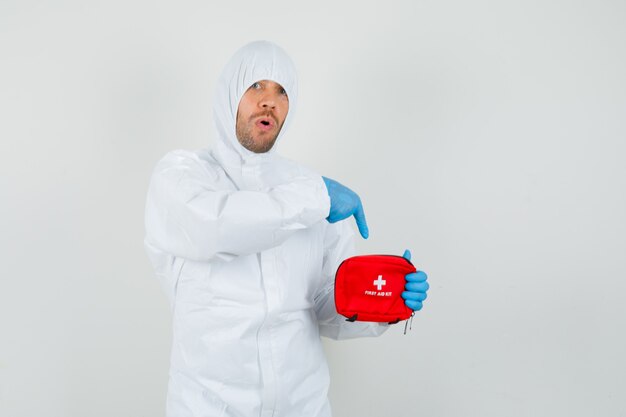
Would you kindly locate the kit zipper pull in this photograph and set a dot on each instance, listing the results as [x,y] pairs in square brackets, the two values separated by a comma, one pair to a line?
[406,323]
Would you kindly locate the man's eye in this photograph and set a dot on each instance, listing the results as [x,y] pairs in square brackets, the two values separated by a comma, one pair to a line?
[282,91]
[255,85]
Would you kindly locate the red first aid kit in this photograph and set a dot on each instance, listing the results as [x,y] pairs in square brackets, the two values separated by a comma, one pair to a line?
[369,288]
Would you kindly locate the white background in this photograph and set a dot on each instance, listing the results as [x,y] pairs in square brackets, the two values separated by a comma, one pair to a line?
[487,136]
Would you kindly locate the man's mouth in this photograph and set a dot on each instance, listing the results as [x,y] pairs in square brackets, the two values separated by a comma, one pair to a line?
[265,123]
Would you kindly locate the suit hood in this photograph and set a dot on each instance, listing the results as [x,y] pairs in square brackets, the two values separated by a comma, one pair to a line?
[255,61]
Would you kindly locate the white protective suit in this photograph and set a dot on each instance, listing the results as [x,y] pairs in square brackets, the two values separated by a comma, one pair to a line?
[240,244]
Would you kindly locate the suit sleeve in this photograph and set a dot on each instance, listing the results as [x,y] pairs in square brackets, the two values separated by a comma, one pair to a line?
[339,245]
[187,216]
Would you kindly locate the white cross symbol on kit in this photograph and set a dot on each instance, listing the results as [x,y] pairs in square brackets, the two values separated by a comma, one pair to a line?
[380,282]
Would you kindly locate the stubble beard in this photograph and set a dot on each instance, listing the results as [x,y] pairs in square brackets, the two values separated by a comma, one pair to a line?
[244,136]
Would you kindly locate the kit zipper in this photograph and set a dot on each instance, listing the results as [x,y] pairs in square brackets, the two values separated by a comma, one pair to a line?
[393,256]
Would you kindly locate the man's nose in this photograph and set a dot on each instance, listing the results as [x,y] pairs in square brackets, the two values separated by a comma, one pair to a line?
[268,101]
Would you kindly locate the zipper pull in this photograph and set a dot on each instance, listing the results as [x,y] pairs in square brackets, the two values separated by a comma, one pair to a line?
[406,323]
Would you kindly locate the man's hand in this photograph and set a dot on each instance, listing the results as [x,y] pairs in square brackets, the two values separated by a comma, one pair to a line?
[415,287]
[345,203]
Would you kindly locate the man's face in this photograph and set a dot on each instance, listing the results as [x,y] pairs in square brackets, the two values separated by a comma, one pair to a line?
[261,114]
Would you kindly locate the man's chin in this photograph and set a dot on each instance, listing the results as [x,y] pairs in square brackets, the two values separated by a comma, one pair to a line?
[263,150]
[259,148]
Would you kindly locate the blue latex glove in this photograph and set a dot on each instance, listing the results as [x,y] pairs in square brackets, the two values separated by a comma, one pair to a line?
[345,203]
[415,287]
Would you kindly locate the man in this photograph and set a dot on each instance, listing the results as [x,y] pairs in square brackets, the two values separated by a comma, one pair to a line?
[246,245]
